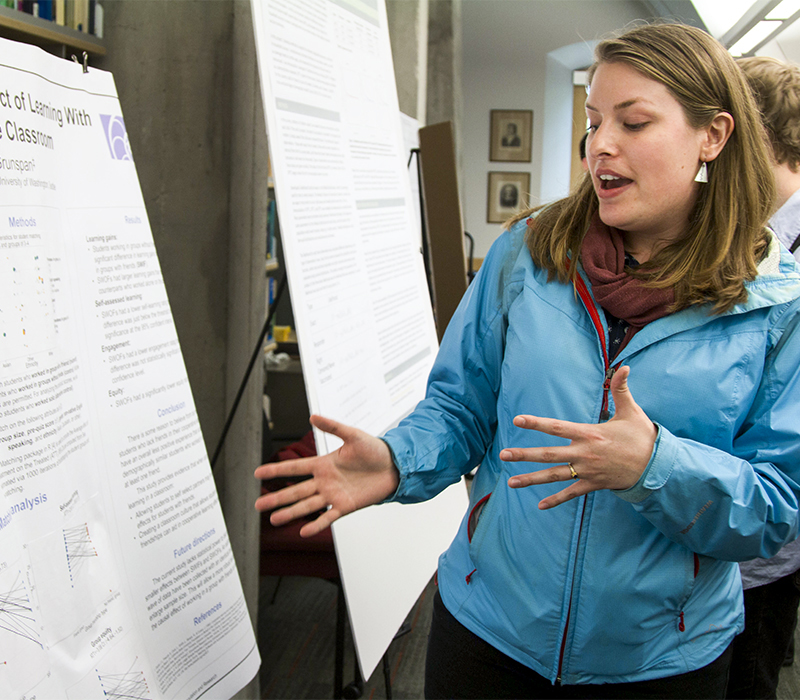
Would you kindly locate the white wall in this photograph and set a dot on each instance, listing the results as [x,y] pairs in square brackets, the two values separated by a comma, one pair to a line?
[519,54]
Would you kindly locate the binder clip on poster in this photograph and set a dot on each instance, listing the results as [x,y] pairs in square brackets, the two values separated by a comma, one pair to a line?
[85,61]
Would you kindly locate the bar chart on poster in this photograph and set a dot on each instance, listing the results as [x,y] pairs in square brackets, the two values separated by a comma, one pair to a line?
[360,299]
[116,574]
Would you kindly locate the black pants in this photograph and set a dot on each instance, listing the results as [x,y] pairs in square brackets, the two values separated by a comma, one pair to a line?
[770,616]
[462,665]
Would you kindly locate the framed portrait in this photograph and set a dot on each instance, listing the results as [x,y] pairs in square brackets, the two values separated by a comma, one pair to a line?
[511,134]
[508,193]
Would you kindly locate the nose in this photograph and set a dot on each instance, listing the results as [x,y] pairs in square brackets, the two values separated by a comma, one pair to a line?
[600,142]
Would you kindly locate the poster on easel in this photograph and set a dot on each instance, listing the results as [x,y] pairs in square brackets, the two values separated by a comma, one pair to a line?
[116,574]
[361,303]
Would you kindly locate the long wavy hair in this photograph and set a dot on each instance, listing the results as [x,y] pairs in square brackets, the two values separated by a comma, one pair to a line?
[726,235]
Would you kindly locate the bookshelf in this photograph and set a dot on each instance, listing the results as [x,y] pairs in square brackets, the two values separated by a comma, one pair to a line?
[21,26]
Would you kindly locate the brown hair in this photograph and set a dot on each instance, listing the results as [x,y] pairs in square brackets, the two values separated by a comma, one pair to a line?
[776,88]
[726,236]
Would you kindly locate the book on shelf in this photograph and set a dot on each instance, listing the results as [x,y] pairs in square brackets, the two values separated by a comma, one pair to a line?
[80,15]
[271,289]
[40,8]
[272,235]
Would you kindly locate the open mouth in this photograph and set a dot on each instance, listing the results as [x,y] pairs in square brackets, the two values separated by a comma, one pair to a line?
[612,182]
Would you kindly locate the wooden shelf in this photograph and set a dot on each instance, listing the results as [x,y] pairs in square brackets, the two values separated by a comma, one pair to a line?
[21,26]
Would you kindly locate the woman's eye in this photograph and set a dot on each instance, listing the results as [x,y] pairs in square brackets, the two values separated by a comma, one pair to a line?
[638,126]
[592,127]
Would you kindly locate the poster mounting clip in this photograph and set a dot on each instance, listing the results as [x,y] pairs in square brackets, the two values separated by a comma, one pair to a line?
[85,61]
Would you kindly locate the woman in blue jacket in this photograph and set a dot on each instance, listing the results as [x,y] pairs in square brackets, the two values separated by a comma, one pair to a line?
[639,343]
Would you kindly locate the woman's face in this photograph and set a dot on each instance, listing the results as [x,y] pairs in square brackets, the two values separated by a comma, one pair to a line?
[643,157]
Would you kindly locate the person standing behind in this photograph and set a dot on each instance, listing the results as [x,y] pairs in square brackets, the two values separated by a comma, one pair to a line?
[772,586]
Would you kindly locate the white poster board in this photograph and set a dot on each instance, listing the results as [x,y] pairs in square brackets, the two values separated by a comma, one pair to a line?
[361,304]
[116,574]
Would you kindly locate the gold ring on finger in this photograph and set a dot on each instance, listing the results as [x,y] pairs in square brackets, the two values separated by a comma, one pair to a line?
[572,471]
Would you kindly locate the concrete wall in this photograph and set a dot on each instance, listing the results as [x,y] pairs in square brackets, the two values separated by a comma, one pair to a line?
[444,101]
[520,55]
[246,309]
[408,33]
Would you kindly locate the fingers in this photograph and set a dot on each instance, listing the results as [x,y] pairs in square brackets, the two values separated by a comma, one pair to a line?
[328,425]
[544,455]
[323,521]
[579,488]
[299,510]
[288,495]
[624,403]
[551,426]
[623,399]
[545,476]
[289,467]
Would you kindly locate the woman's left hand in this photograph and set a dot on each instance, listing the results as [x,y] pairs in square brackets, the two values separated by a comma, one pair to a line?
[611,455]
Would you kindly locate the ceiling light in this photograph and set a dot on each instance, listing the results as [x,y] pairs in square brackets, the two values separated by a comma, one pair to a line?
[784,10]
[756,36]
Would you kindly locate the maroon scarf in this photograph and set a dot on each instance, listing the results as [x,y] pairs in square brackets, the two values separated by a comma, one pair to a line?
[623,296]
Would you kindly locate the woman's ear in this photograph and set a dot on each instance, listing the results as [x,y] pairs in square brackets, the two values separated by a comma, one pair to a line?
[716,136]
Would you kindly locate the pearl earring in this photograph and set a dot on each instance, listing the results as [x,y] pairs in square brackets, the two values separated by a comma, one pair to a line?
[702,174]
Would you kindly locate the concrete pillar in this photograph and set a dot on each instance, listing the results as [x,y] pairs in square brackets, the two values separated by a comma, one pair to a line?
[444,63]
[408,32]
[246,309]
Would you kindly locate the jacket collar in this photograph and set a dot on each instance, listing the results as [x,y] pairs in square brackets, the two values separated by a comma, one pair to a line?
[777,283]
[778,280]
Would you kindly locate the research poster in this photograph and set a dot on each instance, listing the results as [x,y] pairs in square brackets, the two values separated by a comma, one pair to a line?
[116,574]
[361,304]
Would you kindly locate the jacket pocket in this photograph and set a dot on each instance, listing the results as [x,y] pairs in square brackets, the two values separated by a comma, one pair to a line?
[480,522]
[475,515]
[689,589]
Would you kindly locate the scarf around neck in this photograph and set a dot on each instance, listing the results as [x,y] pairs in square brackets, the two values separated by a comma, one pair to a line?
[623,296]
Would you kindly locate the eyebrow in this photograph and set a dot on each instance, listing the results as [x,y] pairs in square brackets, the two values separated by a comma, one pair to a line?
[621,105]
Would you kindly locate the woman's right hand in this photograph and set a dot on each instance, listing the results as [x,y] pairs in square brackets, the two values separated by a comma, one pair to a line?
[359,474]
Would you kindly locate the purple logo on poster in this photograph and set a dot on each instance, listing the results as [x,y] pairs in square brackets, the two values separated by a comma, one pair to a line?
[117,137]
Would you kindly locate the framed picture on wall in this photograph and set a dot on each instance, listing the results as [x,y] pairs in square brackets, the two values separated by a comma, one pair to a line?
[511,134]
[508,193]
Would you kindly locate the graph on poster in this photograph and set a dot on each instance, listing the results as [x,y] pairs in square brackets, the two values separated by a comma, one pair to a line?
[129,685]
[27,321]
[16,612]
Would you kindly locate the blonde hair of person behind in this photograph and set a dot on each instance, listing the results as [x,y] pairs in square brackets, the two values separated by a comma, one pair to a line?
[726,234]
[776,88]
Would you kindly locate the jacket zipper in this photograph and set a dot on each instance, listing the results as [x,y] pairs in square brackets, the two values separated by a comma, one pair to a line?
[586,298]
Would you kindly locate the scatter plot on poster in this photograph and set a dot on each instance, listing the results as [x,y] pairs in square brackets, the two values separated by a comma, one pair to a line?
[26,300]
[130,685]
[71,571]
[23,656]
[79,548]
[16,612]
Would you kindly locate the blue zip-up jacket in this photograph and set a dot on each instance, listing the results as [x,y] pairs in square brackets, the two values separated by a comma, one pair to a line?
[615,586]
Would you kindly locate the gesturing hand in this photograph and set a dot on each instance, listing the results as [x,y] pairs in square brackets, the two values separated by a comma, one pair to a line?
[360,473]
[611,455]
